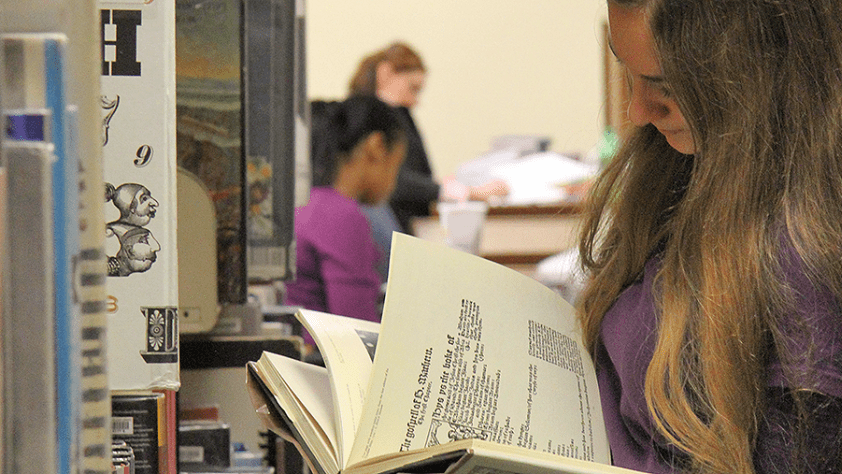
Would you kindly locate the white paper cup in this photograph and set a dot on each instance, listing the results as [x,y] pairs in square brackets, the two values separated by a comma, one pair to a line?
[462,222]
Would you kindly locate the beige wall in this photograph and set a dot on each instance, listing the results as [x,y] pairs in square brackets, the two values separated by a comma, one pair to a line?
[495,66]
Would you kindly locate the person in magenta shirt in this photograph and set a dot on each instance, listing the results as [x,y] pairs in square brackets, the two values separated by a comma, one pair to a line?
[358,147]
[712,242]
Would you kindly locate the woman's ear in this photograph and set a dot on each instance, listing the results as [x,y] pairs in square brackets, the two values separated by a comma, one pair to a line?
[375,147]
[383,74]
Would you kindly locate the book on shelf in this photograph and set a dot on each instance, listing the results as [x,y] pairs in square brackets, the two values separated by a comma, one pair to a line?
[473,366]
[138,139]
[2,315]
[122,458]
[29,392]
[141,421]
[171,419]
[204,444]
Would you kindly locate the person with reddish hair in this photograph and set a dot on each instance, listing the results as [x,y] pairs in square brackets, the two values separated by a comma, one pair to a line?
[396,75]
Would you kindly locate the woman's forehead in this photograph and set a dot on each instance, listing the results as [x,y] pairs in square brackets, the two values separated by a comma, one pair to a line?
[631,41]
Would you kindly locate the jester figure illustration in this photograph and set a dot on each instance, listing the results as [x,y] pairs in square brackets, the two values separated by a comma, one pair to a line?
[138,247]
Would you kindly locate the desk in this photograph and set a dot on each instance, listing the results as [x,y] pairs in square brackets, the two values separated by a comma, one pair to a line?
[517,236]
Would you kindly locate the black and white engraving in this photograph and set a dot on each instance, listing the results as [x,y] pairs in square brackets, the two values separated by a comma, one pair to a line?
[161,335]
[138,247]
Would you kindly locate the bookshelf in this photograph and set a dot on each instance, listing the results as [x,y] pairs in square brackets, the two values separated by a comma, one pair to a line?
[92,35]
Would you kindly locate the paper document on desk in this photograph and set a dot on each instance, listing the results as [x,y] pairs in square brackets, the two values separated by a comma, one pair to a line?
[538,178]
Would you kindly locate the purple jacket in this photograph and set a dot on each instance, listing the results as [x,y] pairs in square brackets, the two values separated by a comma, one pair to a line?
[336,258]
[628,336]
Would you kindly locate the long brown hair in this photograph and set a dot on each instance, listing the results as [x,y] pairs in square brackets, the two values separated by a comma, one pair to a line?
[399,55]
[760,83]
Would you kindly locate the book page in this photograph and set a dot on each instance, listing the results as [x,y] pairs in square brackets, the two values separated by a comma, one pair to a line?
[347,347]
[473,456]
[304,391]
[471,349]
[489,460]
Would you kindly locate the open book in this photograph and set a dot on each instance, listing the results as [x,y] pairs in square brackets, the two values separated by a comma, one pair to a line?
[476,367]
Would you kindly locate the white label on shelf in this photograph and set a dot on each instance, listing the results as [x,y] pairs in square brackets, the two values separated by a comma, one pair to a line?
[191,454]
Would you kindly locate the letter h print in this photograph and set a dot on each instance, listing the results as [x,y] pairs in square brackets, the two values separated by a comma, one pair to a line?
[119,42]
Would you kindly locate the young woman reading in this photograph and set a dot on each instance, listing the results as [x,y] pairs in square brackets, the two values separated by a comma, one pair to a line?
[713,242]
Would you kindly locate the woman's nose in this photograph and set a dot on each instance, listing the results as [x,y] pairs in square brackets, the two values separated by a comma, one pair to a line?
[644,106]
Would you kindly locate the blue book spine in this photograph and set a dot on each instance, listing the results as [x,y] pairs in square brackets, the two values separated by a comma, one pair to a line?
[40,114]
[66,225]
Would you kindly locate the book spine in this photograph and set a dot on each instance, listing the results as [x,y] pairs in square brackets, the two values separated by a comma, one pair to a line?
[136,420]
[139,170]
[163,456]
[66,243]
[3,265]
[90,284]
[29,395]
[172,431]
[167,431]
[95,436]
[122,458]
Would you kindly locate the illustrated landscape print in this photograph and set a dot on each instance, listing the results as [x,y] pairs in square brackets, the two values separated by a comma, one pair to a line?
[209,127]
